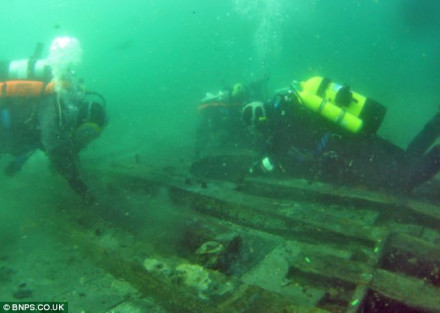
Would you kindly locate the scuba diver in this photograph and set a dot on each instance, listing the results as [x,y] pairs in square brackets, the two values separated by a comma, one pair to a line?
[320,130]
[44,106]
[220,124]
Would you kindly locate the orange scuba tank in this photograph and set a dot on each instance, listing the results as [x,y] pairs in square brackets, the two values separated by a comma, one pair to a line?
[25,88]
[369,111]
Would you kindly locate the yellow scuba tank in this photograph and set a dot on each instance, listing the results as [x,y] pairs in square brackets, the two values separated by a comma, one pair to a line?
[371,112]
[331,111]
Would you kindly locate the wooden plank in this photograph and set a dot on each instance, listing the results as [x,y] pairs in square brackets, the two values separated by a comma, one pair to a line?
[256,212]
[361,291]
[253,299]
[271,274]
[300,189]
[223,201]
[357,299]
[135,305]
[411,291]
[332,268]
[422,249]
[414,257]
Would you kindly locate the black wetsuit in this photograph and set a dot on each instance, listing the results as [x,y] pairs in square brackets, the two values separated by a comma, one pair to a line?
[302,143]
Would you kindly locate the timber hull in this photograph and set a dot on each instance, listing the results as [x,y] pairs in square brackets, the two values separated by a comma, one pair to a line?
[255,244]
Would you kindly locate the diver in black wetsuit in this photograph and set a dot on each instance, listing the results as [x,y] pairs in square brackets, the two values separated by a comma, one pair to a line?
[296,141]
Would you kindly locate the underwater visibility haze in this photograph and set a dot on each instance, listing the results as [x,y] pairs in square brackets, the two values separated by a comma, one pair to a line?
[154,61]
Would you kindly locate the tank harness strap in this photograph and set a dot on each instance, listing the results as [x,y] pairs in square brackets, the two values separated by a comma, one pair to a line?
[33,60]
[340,117]
[31,68]
[322,105]
[323,87]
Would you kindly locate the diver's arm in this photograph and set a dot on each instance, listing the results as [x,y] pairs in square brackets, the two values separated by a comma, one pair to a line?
[65,161]
[58,145]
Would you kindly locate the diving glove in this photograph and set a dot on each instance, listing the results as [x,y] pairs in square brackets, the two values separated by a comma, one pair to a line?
[264,165]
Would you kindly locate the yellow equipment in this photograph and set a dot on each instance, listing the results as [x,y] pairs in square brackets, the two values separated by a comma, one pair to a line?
[331,112]
[369,111]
